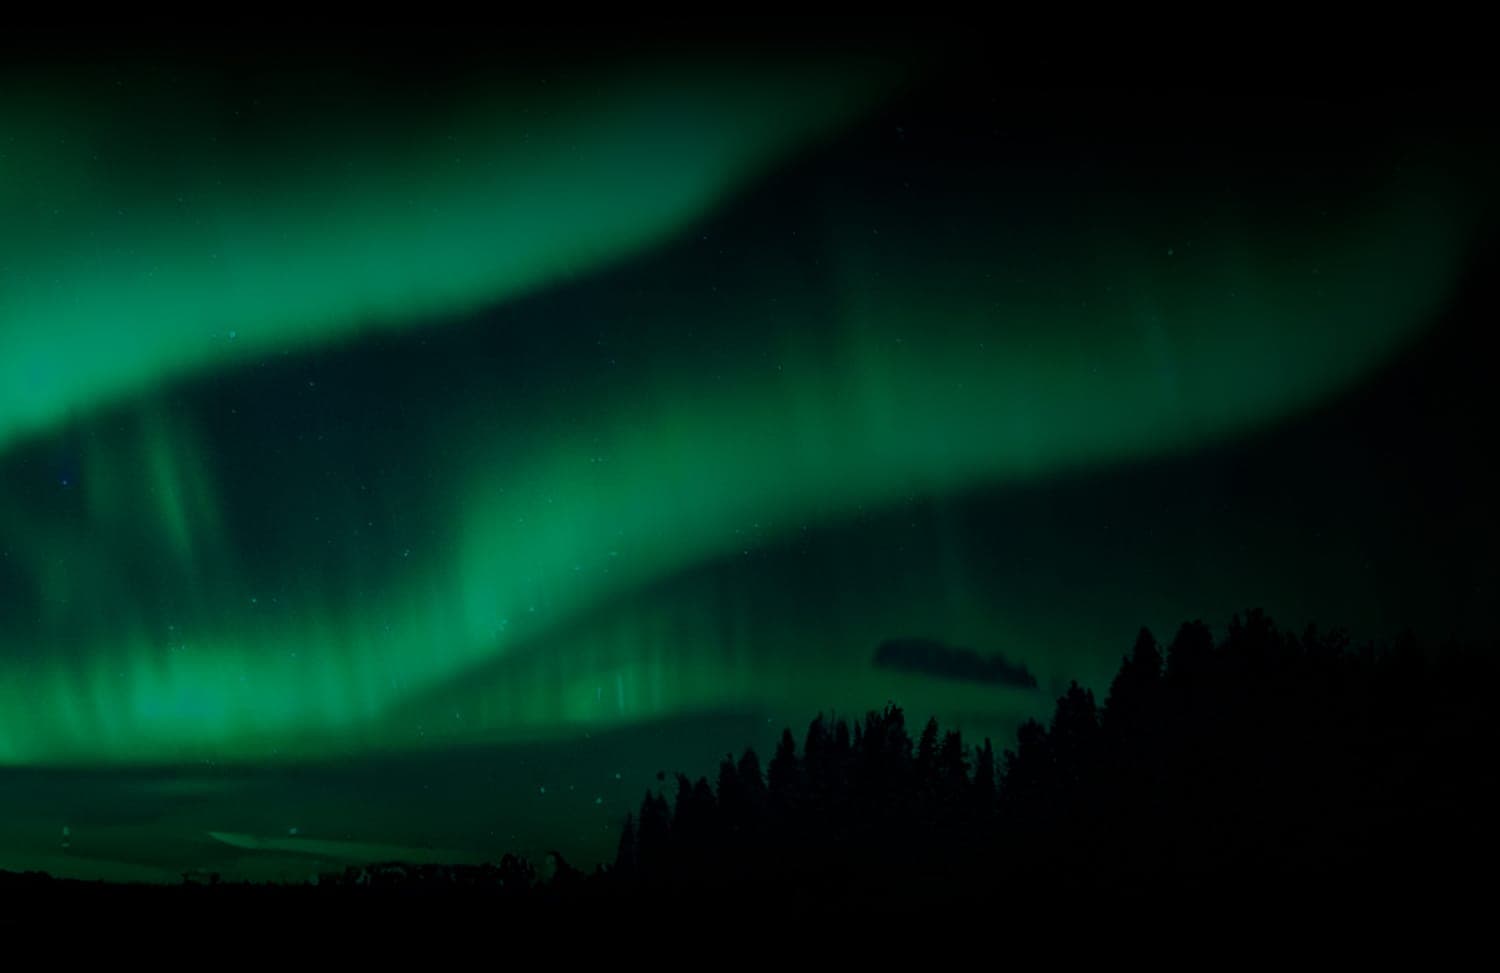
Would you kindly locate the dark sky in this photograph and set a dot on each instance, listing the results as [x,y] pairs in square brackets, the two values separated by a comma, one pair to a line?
[411,453]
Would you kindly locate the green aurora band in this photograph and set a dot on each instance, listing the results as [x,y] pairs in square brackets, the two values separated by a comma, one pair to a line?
[550,589]
[146,232]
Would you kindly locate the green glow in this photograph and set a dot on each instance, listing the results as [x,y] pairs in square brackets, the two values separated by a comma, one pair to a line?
[537,556]
[144,234]
[324,850]
[535,521]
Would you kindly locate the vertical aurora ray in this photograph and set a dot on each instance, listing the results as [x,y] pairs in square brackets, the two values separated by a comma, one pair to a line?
[538,510]
[410,453]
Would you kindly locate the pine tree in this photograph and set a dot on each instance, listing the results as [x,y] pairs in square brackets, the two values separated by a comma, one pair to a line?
[654,832]
[785,775]
[627,857]
[1135,693]
[983,788]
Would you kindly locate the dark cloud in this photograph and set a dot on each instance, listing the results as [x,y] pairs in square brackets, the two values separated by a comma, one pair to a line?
[951,662]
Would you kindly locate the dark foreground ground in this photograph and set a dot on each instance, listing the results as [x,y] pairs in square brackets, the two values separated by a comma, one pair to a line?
[1264,773]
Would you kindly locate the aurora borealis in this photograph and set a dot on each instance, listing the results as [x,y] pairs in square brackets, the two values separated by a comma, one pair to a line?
[350,422]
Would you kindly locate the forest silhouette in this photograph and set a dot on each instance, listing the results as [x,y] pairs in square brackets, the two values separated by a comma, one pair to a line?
[1264,762]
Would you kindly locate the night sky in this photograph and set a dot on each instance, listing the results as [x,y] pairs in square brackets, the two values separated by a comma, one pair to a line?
[409,457]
